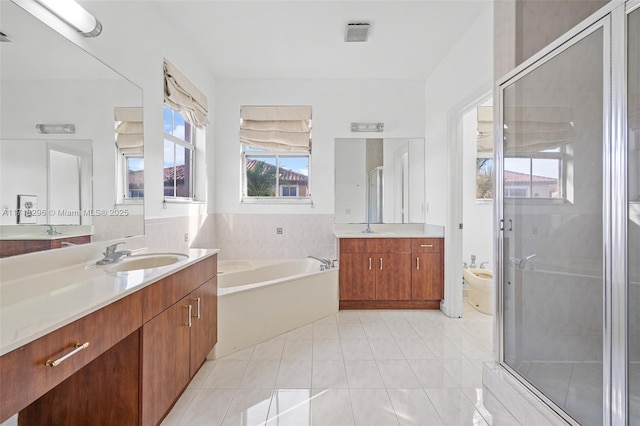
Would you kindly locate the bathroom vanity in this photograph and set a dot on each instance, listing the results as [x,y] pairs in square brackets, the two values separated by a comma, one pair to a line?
[116,347]
[390,271]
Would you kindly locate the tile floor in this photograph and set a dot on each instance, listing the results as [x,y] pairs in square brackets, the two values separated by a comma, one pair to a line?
[353,368]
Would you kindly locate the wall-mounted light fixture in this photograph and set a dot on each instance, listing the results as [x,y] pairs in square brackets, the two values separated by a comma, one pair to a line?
[367,127]
[56,128]
[75,15]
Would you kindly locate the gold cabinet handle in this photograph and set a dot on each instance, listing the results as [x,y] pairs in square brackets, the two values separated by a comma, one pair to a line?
[197,300]
[426,245]
[417,263]
[369,263]
[78,347]
[381,264]
[189,309]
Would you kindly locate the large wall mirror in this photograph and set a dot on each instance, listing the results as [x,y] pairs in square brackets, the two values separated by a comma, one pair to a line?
[67,183]
[379,180]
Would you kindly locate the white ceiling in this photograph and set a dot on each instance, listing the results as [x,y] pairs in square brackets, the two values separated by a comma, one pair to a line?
[304,38]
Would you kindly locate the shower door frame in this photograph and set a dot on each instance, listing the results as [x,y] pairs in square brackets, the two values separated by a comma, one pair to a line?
[612,19]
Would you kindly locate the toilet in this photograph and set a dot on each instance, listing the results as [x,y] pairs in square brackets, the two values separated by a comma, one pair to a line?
[480,289]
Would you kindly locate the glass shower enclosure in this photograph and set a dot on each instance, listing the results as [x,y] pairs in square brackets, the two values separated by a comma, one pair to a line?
[568,216]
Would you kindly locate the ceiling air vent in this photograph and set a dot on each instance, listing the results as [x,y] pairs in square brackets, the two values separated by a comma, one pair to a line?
[4,38]
[357,31]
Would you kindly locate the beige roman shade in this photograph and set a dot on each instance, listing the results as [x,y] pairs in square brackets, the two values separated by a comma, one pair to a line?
[183,96]
[286,128]
[535,129]
[129,129]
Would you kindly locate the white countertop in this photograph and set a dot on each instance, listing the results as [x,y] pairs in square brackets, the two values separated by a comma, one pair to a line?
[39,232]
[391,230]
[35,305]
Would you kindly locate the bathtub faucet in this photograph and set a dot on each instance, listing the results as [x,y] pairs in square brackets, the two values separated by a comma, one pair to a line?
[324,262]
[524,260]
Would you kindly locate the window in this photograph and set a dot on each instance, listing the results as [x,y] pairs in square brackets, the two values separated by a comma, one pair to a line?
[276,174]
[130,146]
[276,153]
[134,177]
[179,155]
[484,178]
[184,115]
[535,175]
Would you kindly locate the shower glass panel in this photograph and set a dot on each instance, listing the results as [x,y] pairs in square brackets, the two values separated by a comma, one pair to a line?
[552,168]
[633,100]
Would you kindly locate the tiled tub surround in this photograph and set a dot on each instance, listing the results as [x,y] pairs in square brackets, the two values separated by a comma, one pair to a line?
[353,368]
[254,236]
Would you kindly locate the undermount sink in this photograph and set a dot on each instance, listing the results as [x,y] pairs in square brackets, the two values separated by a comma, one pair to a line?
[146,261]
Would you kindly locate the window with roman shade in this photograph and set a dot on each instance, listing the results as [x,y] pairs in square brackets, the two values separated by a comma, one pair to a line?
[183,96]
[276,153]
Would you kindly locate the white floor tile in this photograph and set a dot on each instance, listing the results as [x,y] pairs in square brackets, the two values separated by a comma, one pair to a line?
[432,374]
[413,407]
[363,374]
[397,374]
[207,407]
[249,407]
[454,408]
[385,349]
[260,374]
[331,407]
[414,349]
[290,407]
[372,407]
[294,374]
[356,350]
[225,375]
[329,374]
[353,368]
[298,349]
[327,350]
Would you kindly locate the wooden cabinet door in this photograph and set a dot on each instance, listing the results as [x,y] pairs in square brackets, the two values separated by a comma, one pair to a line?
[357,276]
[204,331]
[165,361]
[393,276]
[427,280]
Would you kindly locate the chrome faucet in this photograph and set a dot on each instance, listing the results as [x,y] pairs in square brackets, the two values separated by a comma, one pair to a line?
[113,256]
[482,264]
[473,261]
[324,262]
[52,230]
[524,260]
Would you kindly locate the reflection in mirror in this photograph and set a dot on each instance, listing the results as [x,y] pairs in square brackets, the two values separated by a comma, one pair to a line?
[379,180]
[81,184]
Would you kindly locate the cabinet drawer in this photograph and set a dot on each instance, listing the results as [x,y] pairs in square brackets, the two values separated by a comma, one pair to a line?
[159,296]
[25,375]
[426,245]
[375,245]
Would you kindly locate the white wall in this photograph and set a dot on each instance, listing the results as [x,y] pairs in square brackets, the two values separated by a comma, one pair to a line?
[477,215]
[463,77]
[336,103]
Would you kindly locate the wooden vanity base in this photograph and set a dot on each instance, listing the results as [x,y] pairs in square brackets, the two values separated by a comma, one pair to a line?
[104,392]
[389,304]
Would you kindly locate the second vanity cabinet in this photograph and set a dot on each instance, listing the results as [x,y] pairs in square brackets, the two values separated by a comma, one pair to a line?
[394,273]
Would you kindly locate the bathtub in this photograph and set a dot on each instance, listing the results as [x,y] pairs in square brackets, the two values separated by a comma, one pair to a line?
[261,299]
